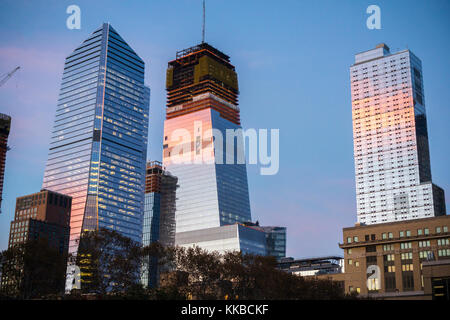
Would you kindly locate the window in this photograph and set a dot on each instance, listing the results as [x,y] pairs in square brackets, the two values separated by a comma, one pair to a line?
[438,229]
[350,261]
[389,269]
[405,245]
[356,263]
[407,267]
[389,282]
[391,235]
[402,234]
[371,260]
[408,281]
[355,239]
[444,252]
[349,240]
[445,228]
[443,242]
[424,254]
[424,244]
[372,237]
[349,251]
[406,256]
[371,249]
[426,231]
[388,247]
[419,232]
[366,237]
[389,257]
[408,233]
[384,236]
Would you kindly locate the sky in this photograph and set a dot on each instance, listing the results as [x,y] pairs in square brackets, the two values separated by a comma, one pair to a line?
[292,59]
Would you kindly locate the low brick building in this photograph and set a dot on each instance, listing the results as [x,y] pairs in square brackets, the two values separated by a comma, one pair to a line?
[392,260]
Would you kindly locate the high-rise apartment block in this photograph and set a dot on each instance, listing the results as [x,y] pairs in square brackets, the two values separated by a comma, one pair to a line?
[98,144]
[5,126]
[44,214]
[392,158]
[202,97]
[41,221]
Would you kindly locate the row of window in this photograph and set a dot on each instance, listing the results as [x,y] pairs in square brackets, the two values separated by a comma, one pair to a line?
[402,234]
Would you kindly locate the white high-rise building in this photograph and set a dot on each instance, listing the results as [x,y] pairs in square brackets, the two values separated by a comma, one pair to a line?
[392,161]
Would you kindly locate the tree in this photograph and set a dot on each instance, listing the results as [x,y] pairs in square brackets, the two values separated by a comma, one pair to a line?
[110,263]
[199,274]
[33,269]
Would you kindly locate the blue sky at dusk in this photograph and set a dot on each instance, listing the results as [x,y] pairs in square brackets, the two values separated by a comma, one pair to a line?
[292,59]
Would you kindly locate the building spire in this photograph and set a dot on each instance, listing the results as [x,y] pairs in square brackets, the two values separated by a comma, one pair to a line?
[203,28]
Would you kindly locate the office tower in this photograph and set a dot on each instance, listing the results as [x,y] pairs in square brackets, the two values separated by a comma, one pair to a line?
[5,125]
[392,160]
[202,98]
[159,215]
[42,216]
[98,144]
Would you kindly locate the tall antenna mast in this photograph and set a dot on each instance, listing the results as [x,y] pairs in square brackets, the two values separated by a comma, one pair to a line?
[203,29]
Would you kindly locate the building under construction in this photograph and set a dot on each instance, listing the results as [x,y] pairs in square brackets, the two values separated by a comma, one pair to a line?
[199,70]
[5,125]
[159,214]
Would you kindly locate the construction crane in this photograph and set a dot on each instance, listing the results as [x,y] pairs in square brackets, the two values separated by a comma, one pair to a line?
[9,75]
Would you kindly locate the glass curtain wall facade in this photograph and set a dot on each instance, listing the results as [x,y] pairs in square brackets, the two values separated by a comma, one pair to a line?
[98,144]
[159,216]
[233,237]
[202,91]
[275,241]
[392,160]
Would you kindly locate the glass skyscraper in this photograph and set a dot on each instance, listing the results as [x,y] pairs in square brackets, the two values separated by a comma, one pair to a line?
[392,159]
[202,92]
[98,143]
[159,216]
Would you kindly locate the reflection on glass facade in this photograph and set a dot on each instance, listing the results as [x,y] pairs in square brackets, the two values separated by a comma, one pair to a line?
[202,93]
[159,215]
[226,238]
[392,161]
[275,241]
[98,144]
